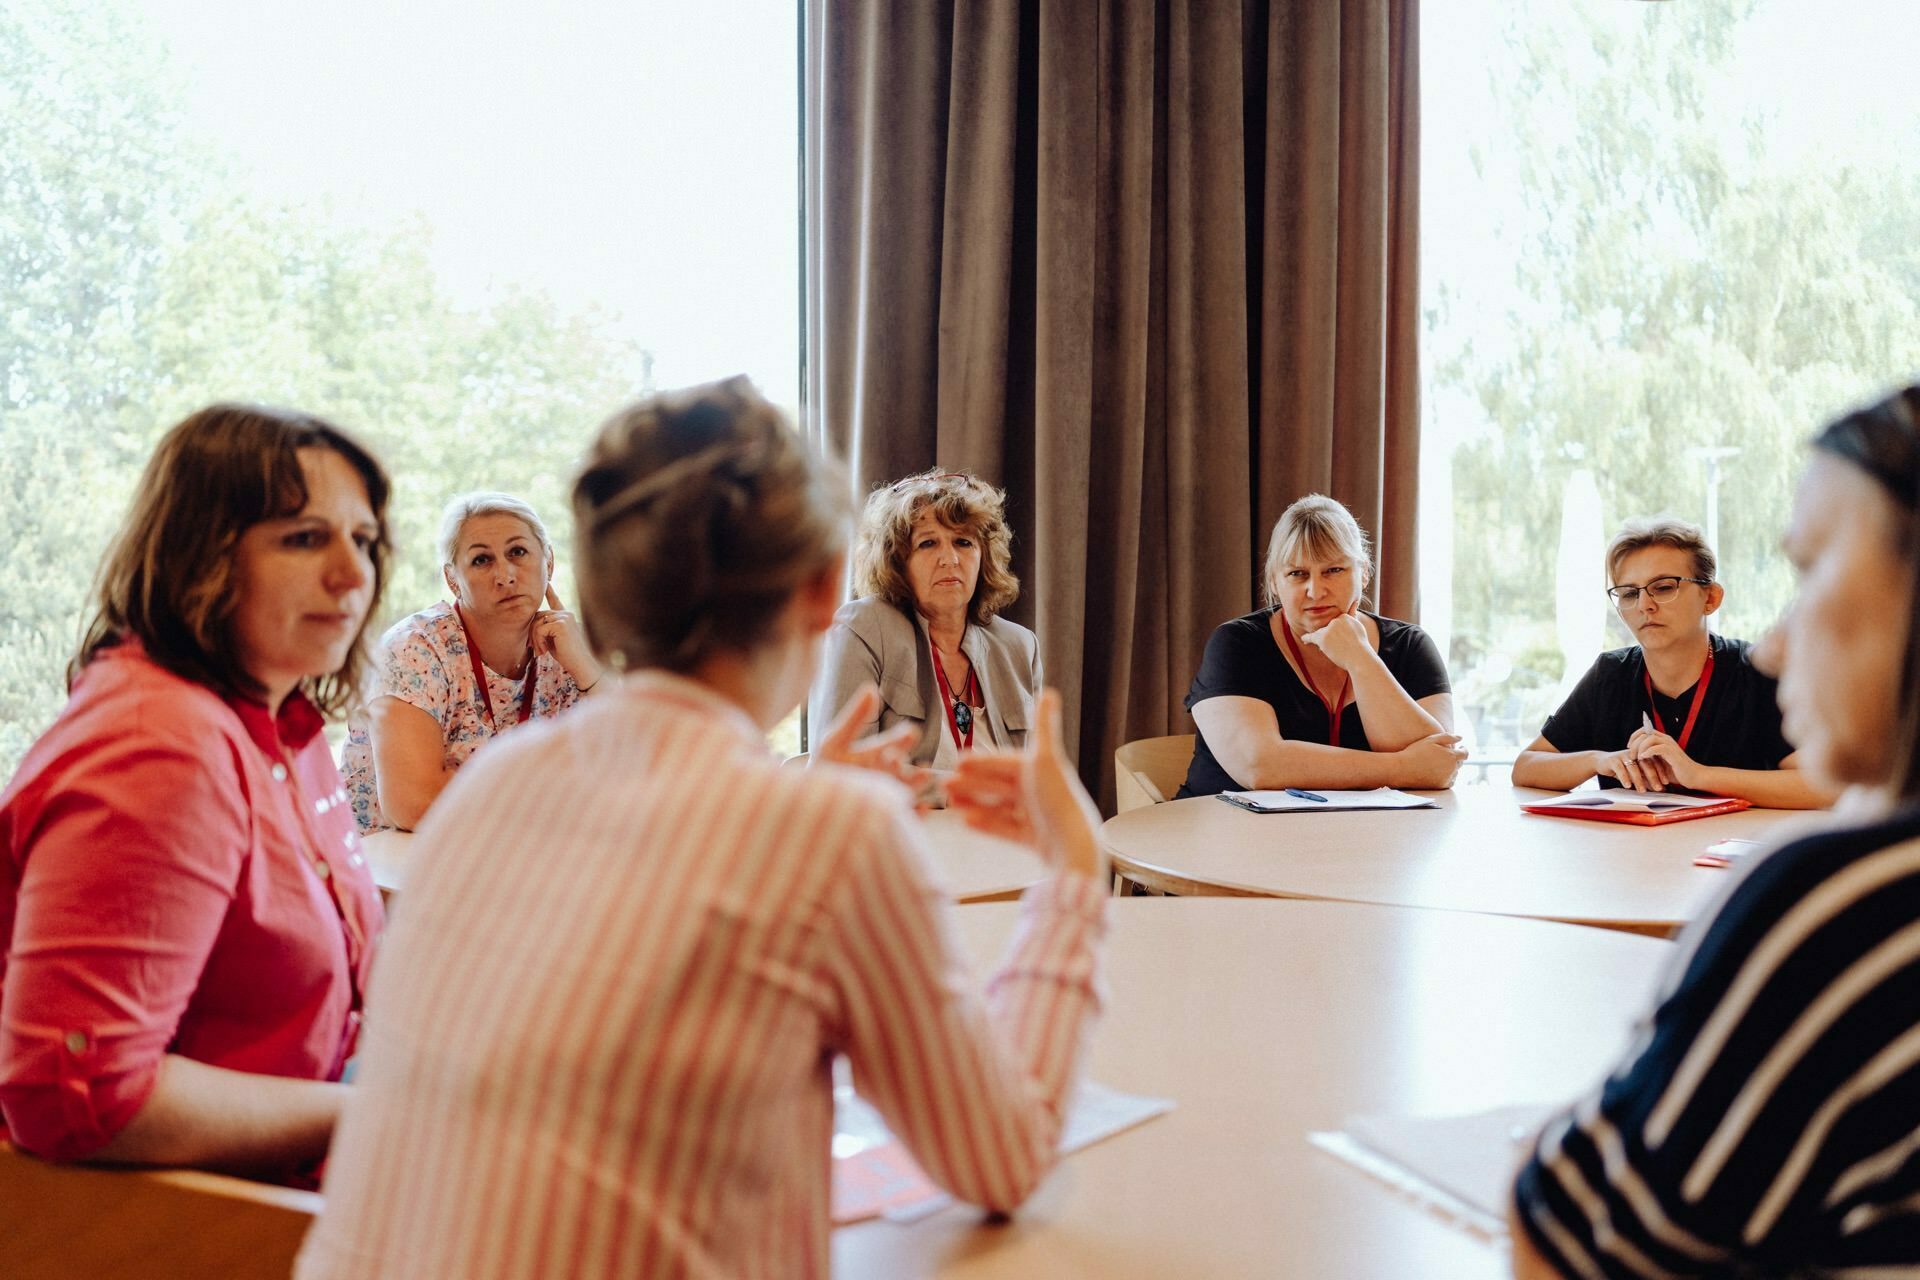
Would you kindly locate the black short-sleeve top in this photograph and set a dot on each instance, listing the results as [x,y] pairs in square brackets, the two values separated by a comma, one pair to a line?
[1243,660]
[1738,728]
[1765,1120]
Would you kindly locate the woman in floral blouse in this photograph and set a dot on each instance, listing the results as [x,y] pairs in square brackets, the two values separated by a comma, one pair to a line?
[452,676]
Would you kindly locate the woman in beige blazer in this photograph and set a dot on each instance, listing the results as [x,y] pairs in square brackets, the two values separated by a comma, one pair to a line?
[932,572]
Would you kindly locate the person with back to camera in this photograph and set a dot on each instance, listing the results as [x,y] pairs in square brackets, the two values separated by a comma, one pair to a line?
[187,920]
[1312,691]
[1765,1118]
[604,1036]
[453,676]
[932,567]
[1683,708]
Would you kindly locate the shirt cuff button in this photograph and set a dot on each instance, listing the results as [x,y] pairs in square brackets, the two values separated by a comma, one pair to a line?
[279,773]
[76,1042]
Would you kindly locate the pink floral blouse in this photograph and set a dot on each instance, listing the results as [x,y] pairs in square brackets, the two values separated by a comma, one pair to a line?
[422,660]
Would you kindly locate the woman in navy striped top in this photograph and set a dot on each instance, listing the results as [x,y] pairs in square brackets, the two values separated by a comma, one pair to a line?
[1766,1119]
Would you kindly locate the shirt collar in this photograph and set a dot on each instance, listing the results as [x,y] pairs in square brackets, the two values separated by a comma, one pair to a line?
[299,720]
[296,725]
[704,700]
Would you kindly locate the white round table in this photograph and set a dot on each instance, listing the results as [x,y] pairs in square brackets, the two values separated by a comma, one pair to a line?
[1267,1021]
[1476,852]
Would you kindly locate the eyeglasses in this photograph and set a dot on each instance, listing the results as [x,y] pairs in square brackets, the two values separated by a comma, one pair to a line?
[1660,591]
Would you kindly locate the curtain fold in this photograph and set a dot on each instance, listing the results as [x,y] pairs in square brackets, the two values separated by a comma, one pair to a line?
[1149,266]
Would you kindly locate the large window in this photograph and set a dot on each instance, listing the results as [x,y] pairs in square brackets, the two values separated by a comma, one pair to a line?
[466,231]
[1662,243]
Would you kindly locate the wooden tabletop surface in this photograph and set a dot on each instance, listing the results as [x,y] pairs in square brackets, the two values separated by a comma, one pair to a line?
[1266,1021]
[1477,852]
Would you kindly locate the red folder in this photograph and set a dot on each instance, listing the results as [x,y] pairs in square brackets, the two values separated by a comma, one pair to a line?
[1638,817]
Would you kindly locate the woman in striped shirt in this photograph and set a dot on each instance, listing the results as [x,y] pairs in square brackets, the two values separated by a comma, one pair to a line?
[603,1036]
[1766,1120]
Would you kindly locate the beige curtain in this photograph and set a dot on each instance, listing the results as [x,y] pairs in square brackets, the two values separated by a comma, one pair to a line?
[1150,266]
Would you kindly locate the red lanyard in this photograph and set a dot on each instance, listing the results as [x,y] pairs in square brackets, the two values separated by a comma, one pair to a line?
[480,677]
[947,700]
[1693,712]
[1338,705]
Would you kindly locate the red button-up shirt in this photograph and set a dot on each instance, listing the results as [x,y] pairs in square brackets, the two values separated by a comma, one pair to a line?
[179,873]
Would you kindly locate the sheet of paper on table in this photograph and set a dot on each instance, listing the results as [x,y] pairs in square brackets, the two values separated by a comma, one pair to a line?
[874,1177]
[1288,802]
[1458,1166]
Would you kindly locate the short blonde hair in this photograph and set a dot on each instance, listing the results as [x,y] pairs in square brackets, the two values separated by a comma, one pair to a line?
[1661,531]
[958,501]
[1318,528]
[487,502]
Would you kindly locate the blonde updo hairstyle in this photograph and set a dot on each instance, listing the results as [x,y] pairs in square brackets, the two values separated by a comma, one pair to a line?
[697,514]
[1316,528]
[959,501]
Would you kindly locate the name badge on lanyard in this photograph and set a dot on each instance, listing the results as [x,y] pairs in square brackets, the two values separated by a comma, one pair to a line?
[959,713]
[480,677]
[1693,711]
[1337,705]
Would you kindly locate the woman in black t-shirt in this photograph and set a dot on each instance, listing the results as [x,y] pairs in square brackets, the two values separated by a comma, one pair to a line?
[1312,692]
[1764,1119]
[1682,710]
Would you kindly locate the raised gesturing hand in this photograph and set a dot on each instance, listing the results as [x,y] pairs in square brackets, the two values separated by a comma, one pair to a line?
[1033,797]
[882,752]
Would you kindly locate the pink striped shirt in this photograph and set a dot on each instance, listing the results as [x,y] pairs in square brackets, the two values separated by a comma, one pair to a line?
[601,1039]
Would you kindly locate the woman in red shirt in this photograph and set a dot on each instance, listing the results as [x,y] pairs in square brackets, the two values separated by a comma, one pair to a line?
[187,919]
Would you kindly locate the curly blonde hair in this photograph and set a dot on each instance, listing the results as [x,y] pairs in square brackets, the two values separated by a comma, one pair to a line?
[957,500]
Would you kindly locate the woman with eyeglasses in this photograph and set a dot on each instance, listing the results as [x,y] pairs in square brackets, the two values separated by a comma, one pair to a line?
[1684,709]
[1764,1119]
[933,571]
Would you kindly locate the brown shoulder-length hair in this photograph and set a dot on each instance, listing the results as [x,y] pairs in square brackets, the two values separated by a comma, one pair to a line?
[957,500]
[1883,440]
[167,580]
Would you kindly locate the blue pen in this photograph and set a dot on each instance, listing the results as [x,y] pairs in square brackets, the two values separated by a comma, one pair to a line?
[1305,795]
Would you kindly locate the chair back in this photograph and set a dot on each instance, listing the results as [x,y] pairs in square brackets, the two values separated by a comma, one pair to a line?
[60,1221]
[1149,770]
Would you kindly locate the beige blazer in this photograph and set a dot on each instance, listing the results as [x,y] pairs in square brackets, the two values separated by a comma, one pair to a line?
[873,642]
